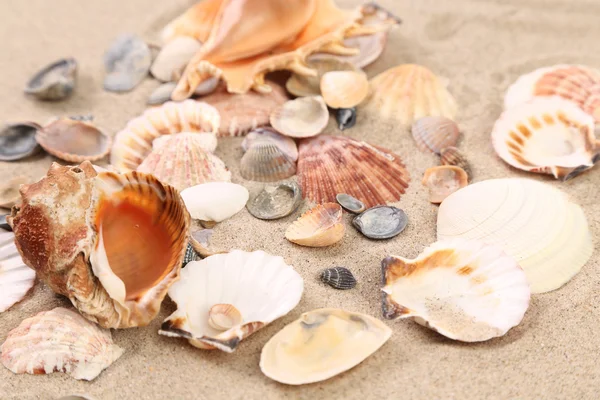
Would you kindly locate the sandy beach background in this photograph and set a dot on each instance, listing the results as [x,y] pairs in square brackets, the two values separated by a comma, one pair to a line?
[481,46]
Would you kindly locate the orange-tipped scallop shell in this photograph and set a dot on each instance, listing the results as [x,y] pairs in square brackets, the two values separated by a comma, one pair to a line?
[548,135]
[328,165]
[182,162]
[408,92]
[73,140]
[264,161]
[344,89]
[133,144]
[318,227]
[112,243]
[577,83]
[308,85]
[301,118]
[453,156]
[59,340]
[444,180]
[432,134]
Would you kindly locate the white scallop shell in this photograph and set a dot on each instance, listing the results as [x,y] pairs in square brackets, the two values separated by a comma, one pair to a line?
[261,286]
[16,278]
[214,201]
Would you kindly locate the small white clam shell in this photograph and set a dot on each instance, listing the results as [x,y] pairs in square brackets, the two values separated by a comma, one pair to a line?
[215,201]
[16,278]
[301,118]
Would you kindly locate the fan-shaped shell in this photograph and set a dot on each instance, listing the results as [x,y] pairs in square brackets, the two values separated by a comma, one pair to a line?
[264,161]
[112,243]
[577,83]
[285,144]
[547,135]
[16,278]
[9,191]
[301,118]
[320,226]
[55,81]
[73,140]
[444,180]
[215,201]
[17,141]
[408,92]
[310,85]
[432,134]
[533,222]
[207,141]
[453,156]
[133,144]
[173,57]
[60,340]
[321,344]
[328,165]
[261,286]
[344,89]
[465,290]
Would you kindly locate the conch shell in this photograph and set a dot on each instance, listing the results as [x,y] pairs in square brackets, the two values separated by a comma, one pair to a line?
[111,243]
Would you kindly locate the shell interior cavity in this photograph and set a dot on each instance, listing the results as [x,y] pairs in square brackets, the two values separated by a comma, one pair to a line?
[338,278]
[432,134]
[444,180]
[320,226]
[301,118]
[381,222]
[275,201]
[16,278]
[536,224]
[463,289]
[17,141]
[59,340]
[215,201]
[259,286]
[127,62]
[321,344]
[55,81]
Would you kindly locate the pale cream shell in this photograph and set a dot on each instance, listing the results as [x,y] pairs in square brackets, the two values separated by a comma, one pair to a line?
[307,85]
[301,118]
[215,201]
[344,89]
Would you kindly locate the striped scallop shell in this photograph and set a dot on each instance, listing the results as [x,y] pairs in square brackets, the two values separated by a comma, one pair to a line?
[264,161]
[344,89]
[133,144]
[408,92]
[328,165]
[318,227]
[453,156]
[444,180]
[286,144]
[432,134]
[16,278]
[301,118]
[548,135]
[60,340]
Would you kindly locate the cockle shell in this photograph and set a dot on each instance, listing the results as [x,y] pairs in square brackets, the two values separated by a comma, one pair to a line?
[275,201]
[262,287]
[285,144]
[60,340]
[463,289]
[432,134]
[533,222]
[215,201]
[547,135]
[264,161]
[133,144]
[9,191]
[444,180]
[55,82]
[73,140]
[127,62]
[112,243]
[309,85]
[338,278]
[321,344]
[453,156]
[406,93]
[16,278]
[320,226]
[381,222]
[173,57]
[328,165]
[344,89]
[17,141]
[182,162]
[577,83]
[301,118]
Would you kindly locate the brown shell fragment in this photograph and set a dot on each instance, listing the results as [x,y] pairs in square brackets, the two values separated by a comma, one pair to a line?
[320,226]
[453,156]
[444,180]
[432,134]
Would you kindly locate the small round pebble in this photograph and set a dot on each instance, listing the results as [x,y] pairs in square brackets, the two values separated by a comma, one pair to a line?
[381,222]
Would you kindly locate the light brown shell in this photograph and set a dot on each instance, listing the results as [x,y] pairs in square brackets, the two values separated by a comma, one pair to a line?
[71,229]
[328,165]
[444,180]
[453,156]
[308,85]
[133,144]
[432,134]
[265,162]
[344,89]
[320,226]
[73,140]
[301,118]
[9,191]
[408,92]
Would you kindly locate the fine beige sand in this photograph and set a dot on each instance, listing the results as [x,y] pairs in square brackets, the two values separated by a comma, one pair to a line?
[481,46]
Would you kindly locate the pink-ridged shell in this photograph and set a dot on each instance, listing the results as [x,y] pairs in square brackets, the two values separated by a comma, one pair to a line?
[133,144]
[16,278]
[182,162]
[60,340]
[328,165]
[432,134]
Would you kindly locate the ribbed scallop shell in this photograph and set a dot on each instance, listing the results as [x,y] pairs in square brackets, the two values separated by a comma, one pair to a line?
[548,135]
[301,118]
[9,191]
[207,141]
[344,89]
[577,83]
[181,162]
[533,222]
[264,161]
[285,144]
[320,226]
[408,92]
[464,289]
[321,344]
[301,85]
[453,156]
[16,278]
[328,165]
[432,134]
[444,180]
[74,141]
[133,144]
[261,286]
[60,340]
[215,201]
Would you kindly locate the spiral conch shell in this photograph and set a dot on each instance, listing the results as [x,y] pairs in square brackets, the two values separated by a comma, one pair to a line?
[111,243]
